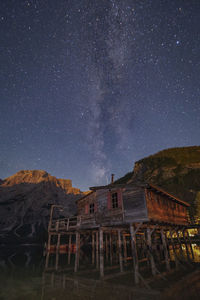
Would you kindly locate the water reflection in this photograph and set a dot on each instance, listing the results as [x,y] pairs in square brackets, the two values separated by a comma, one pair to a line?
[22,277]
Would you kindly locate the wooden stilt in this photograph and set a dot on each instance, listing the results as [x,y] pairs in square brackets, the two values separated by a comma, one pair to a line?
[97,250]
[173,248]
[77,251]
[111,249]
[120,251]
[116,248]
[190,244]
[93,248]
[163,237]
[149,243]
[125,247]
[69,249]
[106,246]
[186,245]
[48,251]
[179,242]
[134,254]
[57,251]
[101,252]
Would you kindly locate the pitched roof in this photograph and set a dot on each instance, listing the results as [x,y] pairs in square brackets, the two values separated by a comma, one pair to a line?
[166,193]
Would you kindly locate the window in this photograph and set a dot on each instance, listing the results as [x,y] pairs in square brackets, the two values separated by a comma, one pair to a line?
[91,208]
[114,200]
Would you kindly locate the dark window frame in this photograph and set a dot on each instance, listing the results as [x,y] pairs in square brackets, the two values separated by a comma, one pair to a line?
[91,208]
[114,200]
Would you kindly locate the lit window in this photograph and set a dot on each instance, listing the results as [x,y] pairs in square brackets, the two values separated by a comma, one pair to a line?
[114,200]
[91,208]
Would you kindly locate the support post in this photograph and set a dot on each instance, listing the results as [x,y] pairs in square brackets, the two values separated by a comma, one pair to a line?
[93,248]
[111,249]
[120,251]
[101,252]
[97,250]
[69,248]
[190,244]
[57,251]
[106,246]
[149,243]
[179,241]
[48,251]
[186,245]
[134,254]
[163,237]
[174,250]
[77,251]
[125,247]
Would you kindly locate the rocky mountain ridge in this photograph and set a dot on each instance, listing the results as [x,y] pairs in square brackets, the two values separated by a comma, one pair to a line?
[176,170]
[25,200]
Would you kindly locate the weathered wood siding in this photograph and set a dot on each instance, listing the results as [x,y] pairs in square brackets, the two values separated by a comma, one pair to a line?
[107,215]
[163,209]
[81,205]
[135,209]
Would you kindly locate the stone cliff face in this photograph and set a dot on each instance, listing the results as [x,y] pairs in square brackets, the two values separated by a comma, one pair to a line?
[25,200]
[176,170]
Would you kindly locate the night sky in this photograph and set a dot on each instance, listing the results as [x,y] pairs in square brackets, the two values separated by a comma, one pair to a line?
[88,87]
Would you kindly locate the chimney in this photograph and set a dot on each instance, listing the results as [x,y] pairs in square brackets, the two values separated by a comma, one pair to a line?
[112,178]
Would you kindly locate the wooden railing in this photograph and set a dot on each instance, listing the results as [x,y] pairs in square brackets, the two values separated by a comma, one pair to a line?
[71,222]
[66,224]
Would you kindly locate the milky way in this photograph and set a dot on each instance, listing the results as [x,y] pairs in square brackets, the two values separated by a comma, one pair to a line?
[89,87]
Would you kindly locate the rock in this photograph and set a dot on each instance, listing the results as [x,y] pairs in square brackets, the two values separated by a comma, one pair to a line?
[25,200]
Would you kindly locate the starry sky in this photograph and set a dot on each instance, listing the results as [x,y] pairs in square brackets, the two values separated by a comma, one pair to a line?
[88,87]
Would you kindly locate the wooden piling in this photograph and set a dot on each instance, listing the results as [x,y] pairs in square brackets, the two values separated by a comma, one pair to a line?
[69,249]
[106,246]
[190,244]
[77,251]
[93,248]
[173,248]
[120,251]
[149,243]
[111,248]
[125,247]
[97,250]
[186,245]
[101,252]
[134,254]
[48,251]
[163,237]
[57,251]
[179,242]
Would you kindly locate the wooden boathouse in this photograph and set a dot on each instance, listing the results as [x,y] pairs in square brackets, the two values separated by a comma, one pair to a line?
[123,225]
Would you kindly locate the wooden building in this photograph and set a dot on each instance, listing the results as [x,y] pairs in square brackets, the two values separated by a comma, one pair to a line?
[121,224]
[124,204]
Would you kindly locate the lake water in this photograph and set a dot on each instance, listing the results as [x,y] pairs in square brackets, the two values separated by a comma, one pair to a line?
[23,278]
